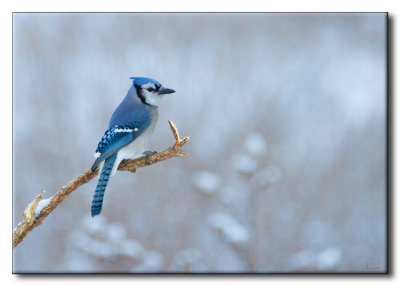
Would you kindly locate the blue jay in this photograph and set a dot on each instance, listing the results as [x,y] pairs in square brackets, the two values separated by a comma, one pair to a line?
[128,133]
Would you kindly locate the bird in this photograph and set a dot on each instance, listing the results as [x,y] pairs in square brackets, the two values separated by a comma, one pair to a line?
[130,128]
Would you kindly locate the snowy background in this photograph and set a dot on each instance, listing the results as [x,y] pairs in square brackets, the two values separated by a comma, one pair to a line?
[286,114]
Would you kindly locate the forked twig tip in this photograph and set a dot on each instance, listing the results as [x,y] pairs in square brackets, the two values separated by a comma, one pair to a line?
[29,212]
[174,130]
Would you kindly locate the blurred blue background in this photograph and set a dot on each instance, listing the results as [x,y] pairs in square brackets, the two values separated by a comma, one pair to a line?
[287,119]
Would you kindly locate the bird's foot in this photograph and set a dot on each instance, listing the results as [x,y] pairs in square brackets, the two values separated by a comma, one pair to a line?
[147,154]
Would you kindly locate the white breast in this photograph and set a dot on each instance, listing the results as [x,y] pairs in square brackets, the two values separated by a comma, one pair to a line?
[136,148]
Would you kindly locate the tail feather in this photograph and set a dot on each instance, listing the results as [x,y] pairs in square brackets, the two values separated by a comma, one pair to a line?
[97,202]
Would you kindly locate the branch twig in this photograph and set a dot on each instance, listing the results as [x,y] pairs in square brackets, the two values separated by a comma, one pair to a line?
[31,220]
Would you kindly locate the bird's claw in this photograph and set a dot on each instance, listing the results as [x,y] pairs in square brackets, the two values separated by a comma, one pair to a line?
[147,154]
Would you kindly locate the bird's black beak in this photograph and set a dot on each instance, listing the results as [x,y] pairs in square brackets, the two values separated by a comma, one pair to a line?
[164,90]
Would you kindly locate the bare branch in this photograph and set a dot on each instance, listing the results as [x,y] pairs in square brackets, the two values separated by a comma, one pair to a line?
[30,221]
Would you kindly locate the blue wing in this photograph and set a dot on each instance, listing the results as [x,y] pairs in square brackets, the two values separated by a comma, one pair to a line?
[117,137]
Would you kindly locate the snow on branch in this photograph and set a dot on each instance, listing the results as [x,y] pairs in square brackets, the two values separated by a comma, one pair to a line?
[38,209]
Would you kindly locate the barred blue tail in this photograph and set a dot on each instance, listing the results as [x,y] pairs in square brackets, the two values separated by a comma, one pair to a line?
[97,202]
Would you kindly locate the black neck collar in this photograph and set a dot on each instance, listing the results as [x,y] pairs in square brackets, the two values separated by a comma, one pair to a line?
[142,98]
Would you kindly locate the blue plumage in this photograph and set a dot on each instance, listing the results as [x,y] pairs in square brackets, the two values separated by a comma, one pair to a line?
[97,202]
[117,137]
[128,133]
[139,81]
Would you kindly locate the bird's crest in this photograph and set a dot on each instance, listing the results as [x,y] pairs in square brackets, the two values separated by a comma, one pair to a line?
[140,81]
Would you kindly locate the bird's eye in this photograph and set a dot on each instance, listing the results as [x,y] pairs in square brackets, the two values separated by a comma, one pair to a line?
[150,89]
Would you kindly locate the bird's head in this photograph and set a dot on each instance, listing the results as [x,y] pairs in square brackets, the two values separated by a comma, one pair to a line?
[149,91]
